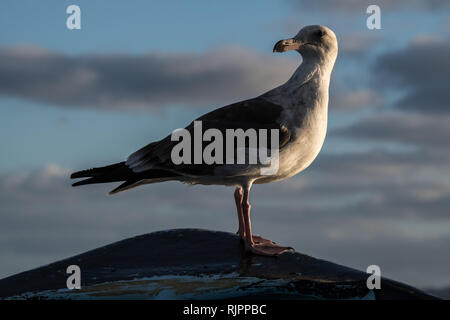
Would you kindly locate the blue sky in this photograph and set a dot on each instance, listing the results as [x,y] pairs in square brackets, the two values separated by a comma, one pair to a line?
[161,25]
[82,98]
[38,132]
[108,26]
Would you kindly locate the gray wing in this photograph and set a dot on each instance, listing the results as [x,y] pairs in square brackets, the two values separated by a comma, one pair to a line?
[254,113]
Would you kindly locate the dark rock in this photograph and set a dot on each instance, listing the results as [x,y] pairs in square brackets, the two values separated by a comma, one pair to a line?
[443,293]
[197,264]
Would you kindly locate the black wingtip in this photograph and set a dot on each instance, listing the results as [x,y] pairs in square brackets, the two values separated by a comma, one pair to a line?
[81,174]
[80,183]
[124,186]
[90,181]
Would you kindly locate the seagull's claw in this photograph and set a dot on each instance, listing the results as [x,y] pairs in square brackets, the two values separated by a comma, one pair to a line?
[256,239]
[262,246]
[259,239]
[267,249]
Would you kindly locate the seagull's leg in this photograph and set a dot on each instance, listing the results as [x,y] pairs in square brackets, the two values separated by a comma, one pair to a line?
[238,196]
[248,225]
[262,248]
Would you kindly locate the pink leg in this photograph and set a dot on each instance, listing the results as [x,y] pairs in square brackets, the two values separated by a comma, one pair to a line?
[266,248]
[238,198]
[248,225]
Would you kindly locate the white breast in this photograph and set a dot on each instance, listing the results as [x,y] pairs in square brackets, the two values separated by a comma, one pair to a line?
[304,99]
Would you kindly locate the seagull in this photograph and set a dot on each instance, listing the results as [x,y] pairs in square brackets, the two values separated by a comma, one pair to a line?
[298,109]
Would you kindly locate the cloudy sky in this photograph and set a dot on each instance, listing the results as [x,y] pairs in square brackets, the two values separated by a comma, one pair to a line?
[379,192]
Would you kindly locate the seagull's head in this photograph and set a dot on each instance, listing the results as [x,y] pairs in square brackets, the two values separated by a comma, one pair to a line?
[318,41]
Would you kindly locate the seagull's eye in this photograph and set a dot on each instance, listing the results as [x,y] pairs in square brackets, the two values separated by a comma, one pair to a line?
[320,33]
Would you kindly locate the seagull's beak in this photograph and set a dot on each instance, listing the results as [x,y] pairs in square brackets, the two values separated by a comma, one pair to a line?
[287,44]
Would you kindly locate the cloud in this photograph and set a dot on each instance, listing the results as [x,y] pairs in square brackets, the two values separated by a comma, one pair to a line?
[359,44]
[352,209]
[43,218]
[420,70]
[407,186]
[425,131]
[153,81]
[347,99]
[150,81]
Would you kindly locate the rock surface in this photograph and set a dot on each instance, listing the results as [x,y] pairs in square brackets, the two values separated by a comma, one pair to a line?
[197,264]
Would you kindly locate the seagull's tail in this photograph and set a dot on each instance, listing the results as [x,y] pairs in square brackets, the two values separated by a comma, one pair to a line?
[120,172]
[95,172]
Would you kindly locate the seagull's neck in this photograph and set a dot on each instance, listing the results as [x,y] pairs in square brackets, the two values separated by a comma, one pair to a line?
[313,74]
[312,67]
